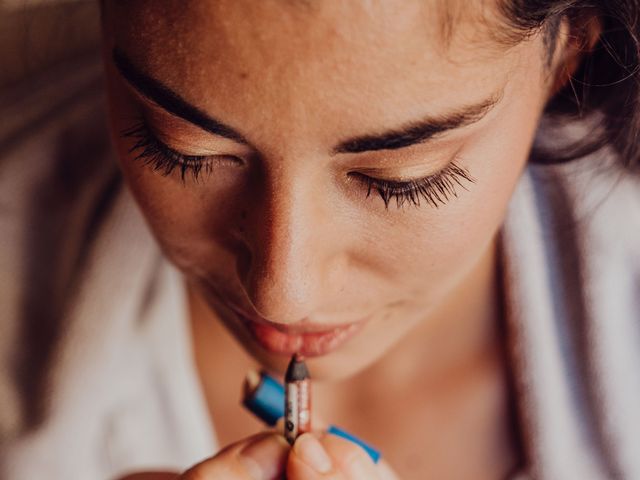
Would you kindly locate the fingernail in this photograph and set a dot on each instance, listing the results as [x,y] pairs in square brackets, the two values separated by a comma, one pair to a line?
[266,457]
[311,452]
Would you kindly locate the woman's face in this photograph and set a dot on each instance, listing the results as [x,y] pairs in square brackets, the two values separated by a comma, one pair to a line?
[286,110]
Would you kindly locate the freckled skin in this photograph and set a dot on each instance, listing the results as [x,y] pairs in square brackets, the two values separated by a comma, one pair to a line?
[288,234]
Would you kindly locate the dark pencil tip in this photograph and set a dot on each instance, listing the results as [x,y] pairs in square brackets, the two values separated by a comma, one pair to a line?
[297,370]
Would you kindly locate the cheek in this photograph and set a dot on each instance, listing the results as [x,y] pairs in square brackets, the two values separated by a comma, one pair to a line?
[183,218]
[437,247]
[192,228]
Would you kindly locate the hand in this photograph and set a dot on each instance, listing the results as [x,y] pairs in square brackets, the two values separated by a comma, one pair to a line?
[267,456]
[314,456]
[261,456]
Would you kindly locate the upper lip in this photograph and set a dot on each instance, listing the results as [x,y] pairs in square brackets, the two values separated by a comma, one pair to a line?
[300,327]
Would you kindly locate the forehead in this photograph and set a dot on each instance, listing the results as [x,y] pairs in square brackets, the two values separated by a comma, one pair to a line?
[287,57]
[315,28]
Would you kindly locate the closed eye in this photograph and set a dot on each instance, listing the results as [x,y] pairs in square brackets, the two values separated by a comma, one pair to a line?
[435,190]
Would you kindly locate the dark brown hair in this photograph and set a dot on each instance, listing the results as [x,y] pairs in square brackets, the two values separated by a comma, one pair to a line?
[606,84]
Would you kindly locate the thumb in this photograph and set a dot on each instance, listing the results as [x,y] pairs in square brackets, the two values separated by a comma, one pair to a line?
[329,457]
[260,457]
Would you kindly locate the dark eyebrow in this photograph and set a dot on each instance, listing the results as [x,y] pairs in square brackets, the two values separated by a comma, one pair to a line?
[173,103]
[413,133]
[422,130]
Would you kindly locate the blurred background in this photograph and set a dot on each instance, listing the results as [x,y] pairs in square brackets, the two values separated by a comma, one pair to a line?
[57,177]
[38,35]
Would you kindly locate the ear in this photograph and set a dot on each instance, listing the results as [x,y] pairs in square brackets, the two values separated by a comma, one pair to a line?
[576,38]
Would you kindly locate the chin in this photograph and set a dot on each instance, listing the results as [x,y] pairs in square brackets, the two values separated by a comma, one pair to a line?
[339,366]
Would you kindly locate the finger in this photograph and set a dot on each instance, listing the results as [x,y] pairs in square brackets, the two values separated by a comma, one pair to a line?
[329,457]
[309,460]
[261,457]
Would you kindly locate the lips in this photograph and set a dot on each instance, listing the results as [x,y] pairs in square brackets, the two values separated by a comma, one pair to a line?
[305,339]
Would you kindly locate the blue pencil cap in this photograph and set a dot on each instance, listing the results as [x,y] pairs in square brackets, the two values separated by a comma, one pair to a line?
[264,397]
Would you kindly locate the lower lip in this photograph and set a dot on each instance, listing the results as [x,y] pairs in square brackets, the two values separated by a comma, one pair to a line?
[311,344]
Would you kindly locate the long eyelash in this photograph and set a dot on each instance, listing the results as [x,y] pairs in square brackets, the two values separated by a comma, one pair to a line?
[436,189]
[162,158]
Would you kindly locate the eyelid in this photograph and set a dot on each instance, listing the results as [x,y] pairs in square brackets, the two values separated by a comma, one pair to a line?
[421,172]
[170,144]
[149,108]
[399,181]
[179,146]
[417,165]
[219,146]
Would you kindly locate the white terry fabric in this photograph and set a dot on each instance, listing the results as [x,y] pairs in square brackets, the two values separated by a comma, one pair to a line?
[124,393]
[572,261]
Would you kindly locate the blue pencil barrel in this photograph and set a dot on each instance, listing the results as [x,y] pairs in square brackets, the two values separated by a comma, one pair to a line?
[267,402]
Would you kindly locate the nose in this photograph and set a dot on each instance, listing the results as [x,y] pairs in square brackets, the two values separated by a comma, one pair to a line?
[290,250]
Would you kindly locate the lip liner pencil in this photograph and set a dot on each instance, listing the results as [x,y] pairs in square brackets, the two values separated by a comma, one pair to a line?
[264,396]
[297,410]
